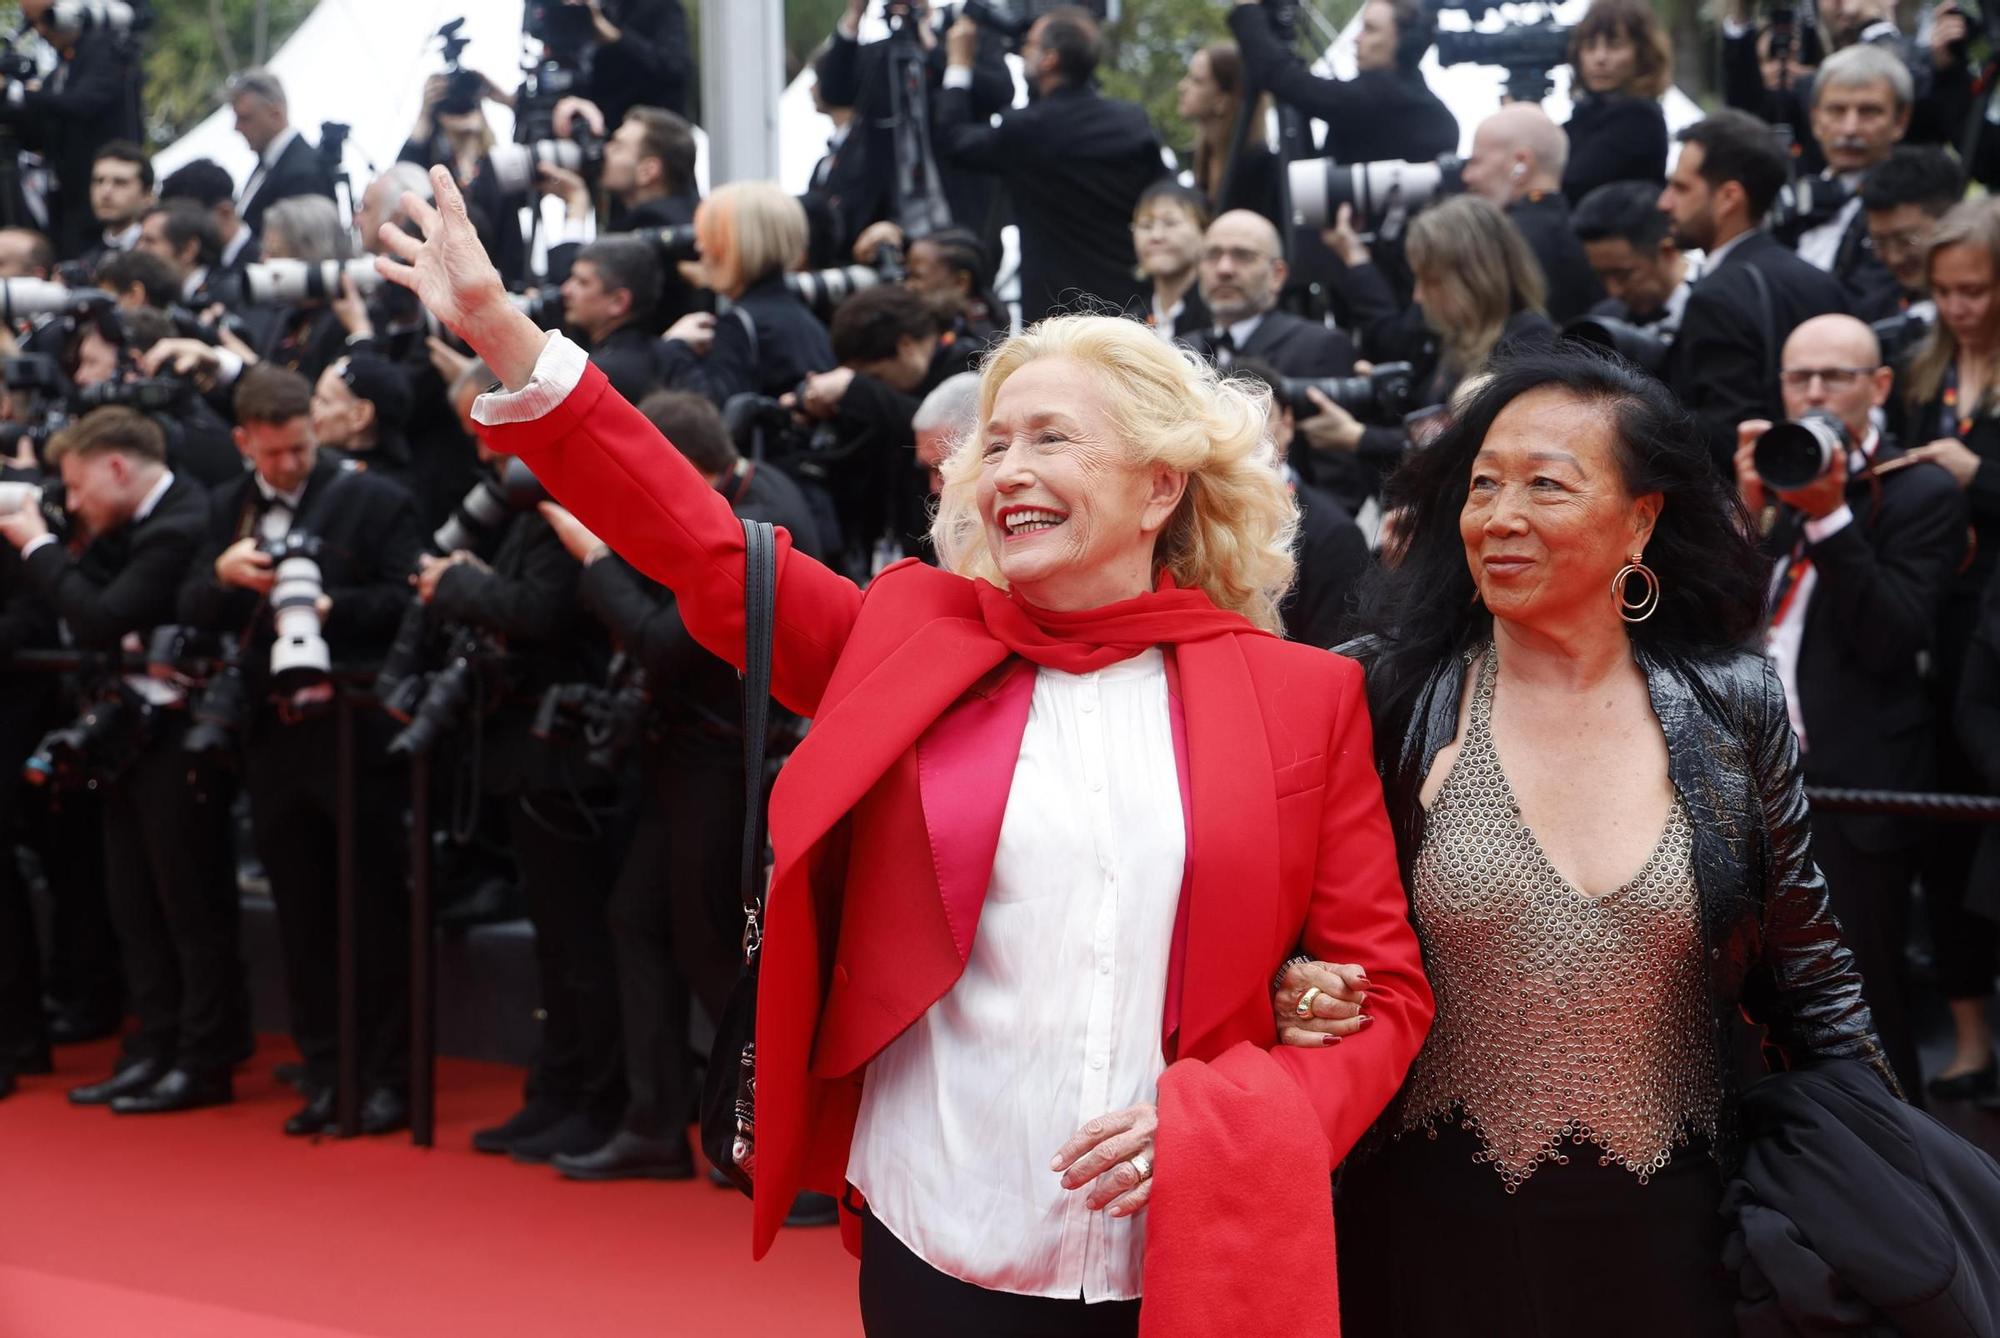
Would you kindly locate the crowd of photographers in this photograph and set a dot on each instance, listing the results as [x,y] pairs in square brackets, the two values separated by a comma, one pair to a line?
[247,513]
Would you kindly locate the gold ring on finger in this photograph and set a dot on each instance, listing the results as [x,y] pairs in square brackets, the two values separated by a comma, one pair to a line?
[1305,1008]
[1143,1166]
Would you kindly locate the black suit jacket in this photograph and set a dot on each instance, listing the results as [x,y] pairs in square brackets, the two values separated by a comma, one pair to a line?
[630,358]
[87,101]
[768,348]
[1377,114]
[1333,559]
[860,185]
[1074,164]
[1614,137]
[649,65]
[128,580]
[1544,221]
[367,527]
[1869,628]
[298,171]
[1292,345]
[1724,360]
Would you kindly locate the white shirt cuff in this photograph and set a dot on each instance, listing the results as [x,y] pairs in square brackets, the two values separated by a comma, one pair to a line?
[17,94]
[39,541]
[958,76]
[575,230]
[228,366]
[557,372]
[1819,531]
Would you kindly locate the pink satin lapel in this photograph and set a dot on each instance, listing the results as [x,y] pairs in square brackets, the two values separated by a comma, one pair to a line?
[965,768]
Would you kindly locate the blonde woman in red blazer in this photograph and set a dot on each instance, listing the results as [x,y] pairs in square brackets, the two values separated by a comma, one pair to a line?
[1065,807]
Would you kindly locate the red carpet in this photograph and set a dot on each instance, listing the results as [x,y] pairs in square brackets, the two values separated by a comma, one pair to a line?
[214,1225]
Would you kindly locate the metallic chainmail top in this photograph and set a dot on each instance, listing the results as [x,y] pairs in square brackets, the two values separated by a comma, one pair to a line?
[1559,1015]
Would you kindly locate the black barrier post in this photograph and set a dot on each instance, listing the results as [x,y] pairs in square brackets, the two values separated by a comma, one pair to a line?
[423,961]
[347,1094]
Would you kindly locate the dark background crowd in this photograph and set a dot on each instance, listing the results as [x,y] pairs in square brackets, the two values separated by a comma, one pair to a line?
[258,562]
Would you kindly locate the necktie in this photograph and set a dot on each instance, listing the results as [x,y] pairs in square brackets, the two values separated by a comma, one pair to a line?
[1224,345]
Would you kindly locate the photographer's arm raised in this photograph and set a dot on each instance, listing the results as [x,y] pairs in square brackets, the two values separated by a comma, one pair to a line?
[599,457]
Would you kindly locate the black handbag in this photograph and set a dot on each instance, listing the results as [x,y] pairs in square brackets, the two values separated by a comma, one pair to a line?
[729,1093]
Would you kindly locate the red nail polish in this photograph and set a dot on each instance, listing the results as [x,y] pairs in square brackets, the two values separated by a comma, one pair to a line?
[1329,1040]
[1366,1020]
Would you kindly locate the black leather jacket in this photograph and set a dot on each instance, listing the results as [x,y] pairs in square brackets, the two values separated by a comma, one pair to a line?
[1774,949]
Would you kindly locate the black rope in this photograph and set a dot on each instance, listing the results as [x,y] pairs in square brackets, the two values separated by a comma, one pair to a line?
[1902,803]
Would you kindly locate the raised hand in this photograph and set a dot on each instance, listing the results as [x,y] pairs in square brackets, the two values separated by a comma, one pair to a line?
[448,270]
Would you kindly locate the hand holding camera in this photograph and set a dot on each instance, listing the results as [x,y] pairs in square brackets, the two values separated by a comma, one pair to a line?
[244,565]
[22,527]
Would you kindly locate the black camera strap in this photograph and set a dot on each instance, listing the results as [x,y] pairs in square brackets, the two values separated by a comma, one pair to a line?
[760,600]
[1767,321]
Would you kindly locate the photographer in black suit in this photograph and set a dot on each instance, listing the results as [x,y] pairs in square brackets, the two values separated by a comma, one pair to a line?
[1752,292]
[857,76]
[557,807]
[1861,563]
[287,164]
[675,918]
[368,543]
[1517,161]
[1385,111]
[613,285]
[88,100]
[648,175]
[1860,110]
[625,52]
[1902,201]
[1072,161]
[170,871]
[1630,244]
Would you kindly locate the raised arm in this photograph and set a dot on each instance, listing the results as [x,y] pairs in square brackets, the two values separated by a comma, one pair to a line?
[603,460]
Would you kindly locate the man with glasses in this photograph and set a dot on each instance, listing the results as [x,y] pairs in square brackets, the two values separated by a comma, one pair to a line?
[1902,201]
[1242,271]
[1861,558]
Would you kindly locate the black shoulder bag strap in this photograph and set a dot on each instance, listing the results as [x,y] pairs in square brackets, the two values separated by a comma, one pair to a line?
[760,598]
[729,1093]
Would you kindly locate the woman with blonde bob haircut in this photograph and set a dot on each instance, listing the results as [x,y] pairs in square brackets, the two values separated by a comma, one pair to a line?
[750,233]
[1053,830]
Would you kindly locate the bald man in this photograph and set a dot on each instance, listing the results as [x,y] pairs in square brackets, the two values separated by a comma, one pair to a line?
[1517,160]
[1859,569]
[1242,271]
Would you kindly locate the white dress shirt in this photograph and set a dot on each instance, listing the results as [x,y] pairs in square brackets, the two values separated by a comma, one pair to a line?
[1057,1017]
[281,510]
[1240,333]
[1786,636]
[265,162]
[1820,246]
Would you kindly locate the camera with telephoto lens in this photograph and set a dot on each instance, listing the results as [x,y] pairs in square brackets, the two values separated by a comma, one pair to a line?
[515,165]
[23,298]
[1528,52]
[83,16]
[148,394]
[462,86]
[95,748]
[1378,191]
[1900,333]
[474,525]
[673,242]
[1384,394]
[46,498]
[472,670]
[764,428]
[1789,456]
[825,289]
[16,64]
[268,282]
[606,721]
[1643,348]
[1807,202]
[300,658]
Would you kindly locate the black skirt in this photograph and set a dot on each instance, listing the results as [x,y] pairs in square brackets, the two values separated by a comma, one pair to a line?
[1433,1246]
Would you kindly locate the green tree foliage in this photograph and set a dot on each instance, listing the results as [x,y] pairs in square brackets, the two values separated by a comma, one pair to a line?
[195,45]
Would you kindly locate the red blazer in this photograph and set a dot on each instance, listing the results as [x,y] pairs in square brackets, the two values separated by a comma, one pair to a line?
[874,901]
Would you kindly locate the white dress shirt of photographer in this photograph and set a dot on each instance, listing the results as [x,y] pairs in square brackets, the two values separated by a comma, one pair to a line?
[1861,101]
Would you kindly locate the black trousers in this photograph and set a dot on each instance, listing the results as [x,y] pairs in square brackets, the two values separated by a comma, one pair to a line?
[292,774]
[65,830]
[670,915]
[1870,892]
[904,1297]
[170,876]
[567,868]
[1962,940]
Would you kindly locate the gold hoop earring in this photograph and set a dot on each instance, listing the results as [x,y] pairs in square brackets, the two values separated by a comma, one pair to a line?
[1635,565]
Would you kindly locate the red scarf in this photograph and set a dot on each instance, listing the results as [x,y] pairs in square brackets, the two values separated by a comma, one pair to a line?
[1079,643]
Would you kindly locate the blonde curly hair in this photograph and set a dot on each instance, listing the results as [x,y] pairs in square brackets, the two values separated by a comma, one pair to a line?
[1231,535]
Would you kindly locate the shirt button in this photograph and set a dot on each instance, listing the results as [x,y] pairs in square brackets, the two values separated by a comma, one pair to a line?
[1096,784]
[1104,968]
[1087,705]
[1097,1061]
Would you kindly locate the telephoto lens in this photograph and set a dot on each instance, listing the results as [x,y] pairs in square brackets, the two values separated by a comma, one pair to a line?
[1319,186]
[300,657]
[14,496]
[277,281]
[1637,345]
[1792,455]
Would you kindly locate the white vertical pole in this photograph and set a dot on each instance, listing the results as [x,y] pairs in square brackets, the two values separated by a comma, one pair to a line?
[742,76]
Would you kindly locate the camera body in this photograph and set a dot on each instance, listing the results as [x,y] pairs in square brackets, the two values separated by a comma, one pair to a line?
[1643,348]
[46,497]
[606,722]
[1793,455]
[1384,394]
[97,747]
[462,86]
[1528,52]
